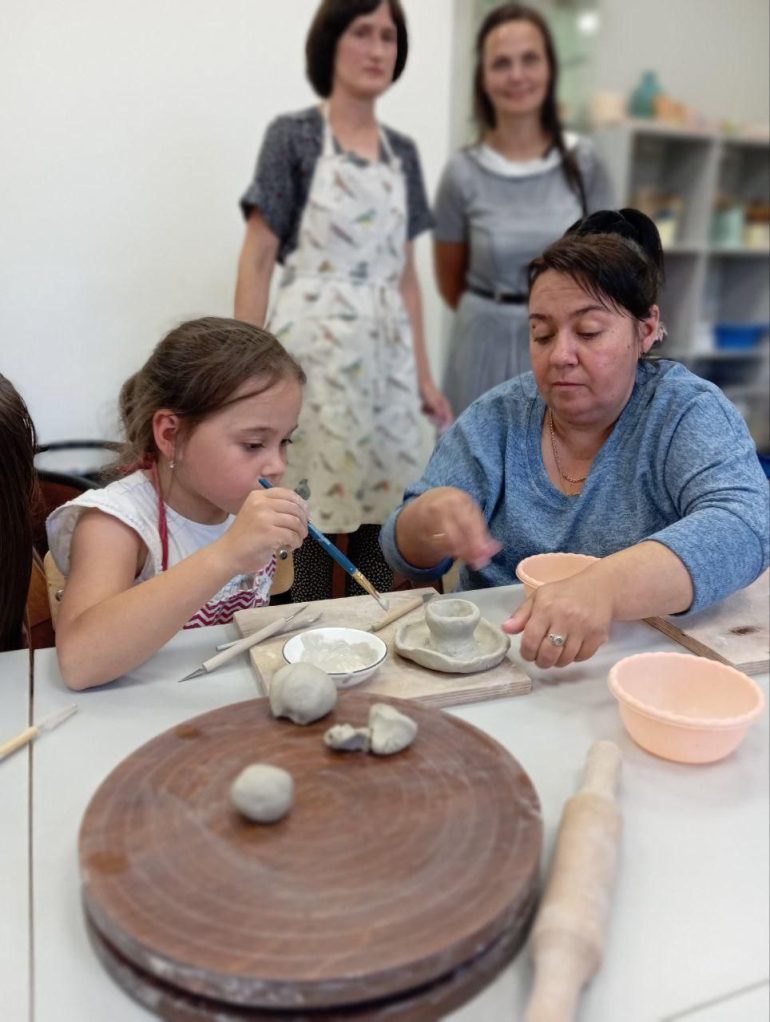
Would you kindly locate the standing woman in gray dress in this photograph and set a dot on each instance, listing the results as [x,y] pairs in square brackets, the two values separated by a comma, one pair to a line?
[338,199]
[503,200]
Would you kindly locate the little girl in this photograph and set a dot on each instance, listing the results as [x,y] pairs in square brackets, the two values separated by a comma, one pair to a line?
[189,536]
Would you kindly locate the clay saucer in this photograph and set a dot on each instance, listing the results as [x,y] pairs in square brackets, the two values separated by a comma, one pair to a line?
[415,642]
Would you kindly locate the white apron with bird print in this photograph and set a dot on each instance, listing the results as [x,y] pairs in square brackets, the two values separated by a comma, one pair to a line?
[340,313]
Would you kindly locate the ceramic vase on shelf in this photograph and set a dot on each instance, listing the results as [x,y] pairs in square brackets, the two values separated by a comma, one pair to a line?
[642,100]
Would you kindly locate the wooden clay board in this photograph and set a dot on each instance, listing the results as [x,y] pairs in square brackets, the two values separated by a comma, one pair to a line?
[737,627]
[388,873]
[397,677]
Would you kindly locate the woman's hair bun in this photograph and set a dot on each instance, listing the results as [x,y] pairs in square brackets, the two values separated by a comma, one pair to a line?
[628,223]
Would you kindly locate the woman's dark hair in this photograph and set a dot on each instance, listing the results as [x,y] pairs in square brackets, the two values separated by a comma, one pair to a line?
[549,112]
[614,256]
[194,371]
[17,497]
[332,19]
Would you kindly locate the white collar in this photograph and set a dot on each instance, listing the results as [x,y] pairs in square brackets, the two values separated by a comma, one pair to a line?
[496,163]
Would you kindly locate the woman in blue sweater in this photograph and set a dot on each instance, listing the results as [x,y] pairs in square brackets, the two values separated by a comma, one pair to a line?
[598,450]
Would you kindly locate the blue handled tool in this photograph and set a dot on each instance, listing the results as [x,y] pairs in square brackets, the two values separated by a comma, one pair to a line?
[339,557]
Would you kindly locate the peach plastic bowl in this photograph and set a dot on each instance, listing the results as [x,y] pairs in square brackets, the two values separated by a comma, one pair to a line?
[684,707]
[541,568]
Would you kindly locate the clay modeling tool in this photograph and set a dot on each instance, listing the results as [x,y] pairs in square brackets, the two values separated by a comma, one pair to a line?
[688,641]
[400,609]
[339,557]
[243,644]
[28,734]
[311,619]
[568,932]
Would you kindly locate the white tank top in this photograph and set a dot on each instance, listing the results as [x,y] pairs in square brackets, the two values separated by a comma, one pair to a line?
[134,501]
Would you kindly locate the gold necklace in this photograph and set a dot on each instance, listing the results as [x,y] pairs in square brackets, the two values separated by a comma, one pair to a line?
[564,476]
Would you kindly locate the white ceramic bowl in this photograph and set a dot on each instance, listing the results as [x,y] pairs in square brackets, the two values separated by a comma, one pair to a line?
[313,645]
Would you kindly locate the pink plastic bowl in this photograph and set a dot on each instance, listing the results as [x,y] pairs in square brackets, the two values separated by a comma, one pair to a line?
[684,707]
[535,571]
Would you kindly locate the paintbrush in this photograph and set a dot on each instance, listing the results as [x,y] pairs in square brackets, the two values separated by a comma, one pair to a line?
[336,555]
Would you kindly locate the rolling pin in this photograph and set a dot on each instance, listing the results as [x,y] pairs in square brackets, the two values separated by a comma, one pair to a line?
[568,932]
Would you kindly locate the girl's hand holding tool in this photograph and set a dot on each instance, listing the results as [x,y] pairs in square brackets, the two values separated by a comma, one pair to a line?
[267,521]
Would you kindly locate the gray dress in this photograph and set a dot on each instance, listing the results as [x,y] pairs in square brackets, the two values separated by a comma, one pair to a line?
[506,213]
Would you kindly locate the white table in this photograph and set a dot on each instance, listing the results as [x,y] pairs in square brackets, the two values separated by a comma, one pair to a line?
[689,930]
[14,836]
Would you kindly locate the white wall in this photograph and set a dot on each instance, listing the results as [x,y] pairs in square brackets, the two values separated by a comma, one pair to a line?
[128,133]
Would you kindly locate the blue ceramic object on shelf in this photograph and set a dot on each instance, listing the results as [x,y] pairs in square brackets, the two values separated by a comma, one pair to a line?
[744,335]
[642,100]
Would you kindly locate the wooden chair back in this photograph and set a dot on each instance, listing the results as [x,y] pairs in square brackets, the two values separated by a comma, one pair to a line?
[39,625]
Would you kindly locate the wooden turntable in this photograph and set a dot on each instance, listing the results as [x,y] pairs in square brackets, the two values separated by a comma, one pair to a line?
[396,887]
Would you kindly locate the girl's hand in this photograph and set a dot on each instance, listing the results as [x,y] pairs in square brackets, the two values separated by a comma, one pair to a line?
[445,522]
[267,521]
[436,406]
[580,609]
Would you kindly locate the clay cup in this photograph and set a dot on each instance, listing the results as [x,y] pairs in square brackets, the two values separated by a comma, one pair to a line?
[452,624]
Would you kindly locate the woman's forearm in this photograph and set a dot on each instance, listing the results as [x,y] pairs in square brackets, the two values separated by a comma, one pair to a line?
[255,269]
[450,263]
[252,290]
[646,580]
[114,636]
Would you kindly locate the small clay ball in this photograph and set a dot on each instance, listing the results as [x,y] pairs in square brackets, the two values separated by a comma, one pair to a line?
[302,692]
[263,793]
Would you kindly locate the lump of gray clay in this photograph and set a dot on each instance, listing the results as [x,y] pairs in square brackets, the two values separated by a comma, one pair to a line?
[346,738]
[391,731]
[263,793]
[302,692]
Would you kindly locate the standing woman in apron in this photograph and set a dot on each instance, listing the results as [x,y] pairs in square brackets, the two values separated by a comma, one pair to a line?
[505,199]
[338,199]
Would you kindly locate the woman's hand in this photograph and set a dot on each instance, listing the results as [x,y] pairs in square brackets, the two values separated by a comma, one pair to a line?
[267,521]
[436,406]
[444,522]
[577,609]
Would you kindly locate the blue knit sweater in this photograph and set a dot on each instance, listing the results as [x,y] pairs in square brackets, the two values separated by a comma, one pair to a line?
[680,467]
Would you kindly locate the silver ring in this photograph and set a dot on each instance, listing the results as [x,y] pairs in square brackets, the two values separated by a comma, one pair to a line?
[283,553]
[556,640]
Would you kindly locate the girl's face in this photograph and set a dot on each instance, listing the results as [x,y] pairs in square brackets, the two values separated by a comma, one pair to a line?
[221,461]
[366,54]
[584,354]
[516,74]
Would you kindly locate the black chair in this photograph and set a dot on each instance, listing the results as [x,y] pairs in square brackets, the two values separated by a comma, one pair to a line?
[78,465]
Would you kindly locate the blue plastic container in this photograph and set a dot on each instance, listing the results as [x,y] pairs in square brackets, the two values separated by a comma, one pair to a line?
[731,335]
